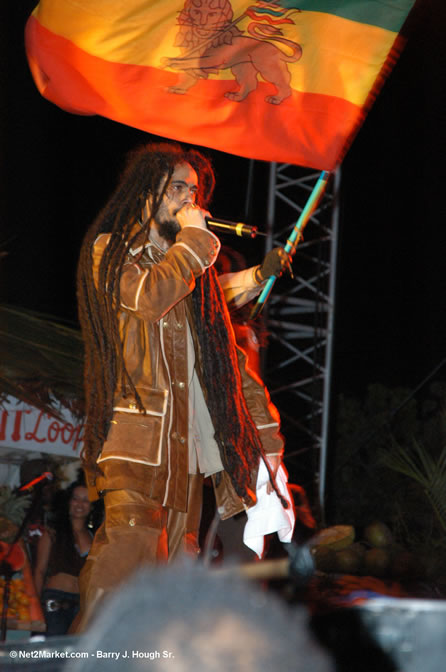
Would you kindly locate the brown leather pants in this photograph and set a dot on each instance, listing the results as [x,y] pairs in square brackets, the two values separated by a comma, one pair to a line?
[136,531]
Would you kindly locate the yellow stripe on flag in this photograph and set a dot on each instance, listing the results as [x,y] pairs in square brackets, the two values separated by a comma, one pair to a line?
[339,57]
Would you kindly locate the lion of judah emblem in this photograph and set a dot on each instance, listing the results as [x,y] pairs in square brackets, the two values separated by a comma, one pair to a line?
[210,41]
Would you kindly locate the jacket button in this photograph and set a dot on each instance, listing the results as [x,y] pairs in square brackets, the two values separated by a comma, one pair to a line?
[132,522]
[181,385]
[179,325]
[165,324]
[181,439]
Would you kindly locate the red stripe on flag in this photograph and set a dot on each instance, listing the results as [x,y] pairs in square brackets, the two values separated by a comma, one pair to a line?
[306,129]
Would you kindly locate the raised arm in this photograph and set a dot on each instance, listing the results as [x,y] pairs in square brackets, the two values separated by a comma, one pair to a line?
[243,286]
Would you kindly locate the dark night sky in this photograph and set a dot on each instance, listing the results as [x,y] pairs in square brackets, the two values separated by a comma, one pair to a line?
[392,279]
[57,170]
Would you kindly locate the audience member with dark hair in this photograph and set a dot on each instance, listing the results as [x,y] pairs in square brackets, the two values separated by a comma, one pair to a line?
[61,554]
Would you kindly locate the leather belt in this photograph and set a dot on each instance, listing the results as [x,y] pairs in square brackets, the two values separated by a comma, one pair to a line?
[55,605]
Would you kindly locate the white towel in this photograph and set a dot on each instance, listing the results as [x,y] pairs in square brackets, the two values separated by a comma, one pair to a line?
[268,514]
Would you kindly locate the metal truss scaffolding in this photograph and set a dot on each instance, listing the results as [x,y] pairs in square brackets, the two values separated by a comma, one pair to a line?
[300,318]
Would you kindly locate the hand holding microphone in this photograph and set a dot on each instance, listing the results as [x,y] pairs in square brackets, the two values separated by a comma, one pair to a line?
[191,215]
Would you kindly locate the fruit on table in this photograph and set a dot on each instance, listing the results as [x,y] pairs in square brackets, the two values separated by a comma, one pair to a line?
[336,537]
[324,558]
[377,562]
[377,534]
[348,560]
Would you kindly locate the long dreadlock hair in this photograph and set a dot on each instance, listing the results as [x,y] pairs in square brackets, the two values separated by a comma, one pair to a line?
[235,432]
[148,171]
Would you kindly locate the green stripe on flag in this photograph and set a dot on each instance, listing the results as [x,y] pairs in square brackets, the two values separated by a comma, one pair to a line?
[388,14]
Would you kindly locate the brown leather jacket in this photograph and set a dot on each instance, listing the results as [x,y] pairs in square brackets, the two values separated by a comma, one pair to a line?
[149,452]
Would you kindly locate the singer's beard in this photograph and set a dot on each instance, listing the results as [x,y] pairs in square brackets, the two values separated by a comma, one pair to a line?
[168,229]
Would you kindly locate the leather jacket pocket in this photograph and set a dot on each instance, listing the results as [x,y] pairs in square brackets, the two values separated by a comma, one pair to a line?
[134,435]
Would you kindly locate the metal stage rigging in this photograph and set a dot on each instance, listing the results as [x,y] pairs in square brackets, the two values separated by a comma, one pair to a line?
[299,318]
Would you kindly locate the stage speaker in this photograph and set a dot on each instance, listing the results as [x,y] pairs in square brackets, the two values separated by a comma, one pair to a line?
[410,631]
[385,635]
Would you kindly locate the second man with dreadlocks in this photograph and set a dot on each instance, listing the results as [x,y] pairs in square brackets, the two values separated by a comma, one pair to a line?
[169,400]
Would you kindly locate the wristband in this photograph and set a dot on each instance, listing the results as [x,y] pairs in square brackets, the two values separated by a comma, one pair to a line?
[256,275]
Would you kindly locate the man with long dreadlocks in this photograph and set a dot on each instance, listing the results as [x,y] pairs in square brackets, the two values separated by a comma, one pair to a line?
[169,401]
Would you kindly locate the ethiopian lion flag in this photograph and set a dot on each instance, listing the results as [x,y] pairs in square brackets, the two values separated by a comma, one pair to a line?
[287,81]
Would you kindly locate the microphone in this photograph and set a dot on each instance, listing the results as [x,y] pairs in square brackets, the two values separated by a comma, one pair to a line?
[46,476]
[235,228]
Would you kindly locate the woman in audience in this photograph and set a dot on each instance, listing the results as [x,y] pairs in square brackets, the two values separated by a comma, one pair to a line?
[61,554]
